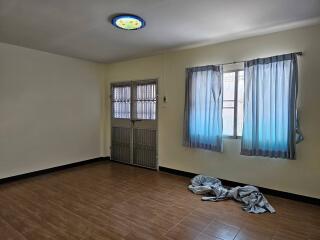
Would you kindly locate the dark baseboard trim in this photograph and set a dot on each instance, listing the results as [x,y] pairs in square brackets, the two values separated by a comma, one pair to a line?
[177,172]
[54,169]
[228,183]
[132,165]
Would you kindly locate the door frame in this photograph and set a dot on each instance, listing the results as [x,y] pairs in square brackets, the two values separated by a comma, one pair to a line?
[131,83]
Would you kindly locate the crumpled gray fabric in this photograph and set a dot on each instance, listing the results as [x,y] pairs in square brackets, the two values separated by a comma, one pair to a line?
[252,199]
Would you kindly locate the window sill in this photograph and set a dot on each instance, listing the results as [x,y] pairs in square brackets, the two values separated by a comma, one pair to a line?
[231,137]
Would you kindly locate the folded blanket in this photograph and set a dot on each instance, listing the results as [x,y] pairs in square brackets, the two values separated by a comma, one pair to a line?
[252,199]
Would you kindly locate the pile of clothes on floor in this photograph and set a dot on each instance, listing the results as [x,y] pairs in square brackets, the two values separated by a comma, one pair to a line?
[252,199]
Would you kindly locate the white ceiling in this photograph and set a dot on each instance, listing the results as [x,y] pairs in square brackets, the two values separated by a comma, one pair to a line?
[80,28]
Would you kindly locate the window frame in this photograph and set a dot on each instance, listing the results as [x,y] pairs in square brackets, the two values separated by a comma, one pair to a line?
[235,108]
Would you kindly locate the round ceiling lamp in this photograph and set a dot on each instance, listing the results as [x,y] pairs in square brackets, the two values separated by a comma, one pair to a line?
[128,22]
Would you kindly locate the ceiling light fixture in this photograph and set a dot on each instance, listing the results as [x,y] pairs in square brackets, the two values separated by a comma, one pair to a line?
[128,22]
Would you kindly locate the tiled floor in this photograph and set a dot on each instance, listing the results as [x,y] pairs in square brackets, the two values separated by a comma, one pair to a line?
[112,201]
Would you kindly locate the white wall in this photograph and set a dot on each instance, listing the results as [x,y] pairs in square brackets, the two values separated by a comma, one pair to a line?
[50,108]
[301,176]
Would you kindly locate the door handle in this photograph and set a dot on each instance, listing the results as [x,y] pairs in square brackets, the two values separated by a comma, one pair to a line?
[136,120]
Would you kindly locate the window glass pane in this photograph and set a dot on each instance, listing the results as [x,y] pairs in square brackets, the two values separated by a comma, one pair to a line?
[228,86]
[228,121]
[228,103]
[146,101]
[240,102]
[121,102]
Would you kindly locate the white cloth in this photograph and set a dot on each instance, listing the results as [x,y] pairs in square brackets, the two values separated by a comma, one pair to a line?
[252,199]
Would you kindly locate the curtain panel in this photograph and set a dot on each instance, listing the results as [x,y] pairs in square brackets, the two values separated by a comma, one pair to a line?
[203,108]
[271,125]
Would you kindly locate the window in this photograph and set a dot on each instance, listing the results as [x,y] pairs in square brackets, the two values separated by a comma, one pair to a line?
[121,102]
[233,94]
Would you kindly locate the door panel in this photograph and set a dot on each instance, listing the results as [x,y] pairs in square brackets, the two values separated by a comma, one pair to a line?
[121,130]
[134,123]
[144,147]
[121,140]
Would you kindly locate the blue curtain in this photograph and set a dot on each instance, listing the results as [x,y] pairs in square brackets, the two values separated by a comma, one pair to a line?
[270,125]
[203,108]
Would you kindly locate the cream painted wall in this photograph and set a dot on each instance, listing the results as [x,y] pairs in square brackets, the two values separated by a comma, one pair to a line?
[301,176]
[50,110]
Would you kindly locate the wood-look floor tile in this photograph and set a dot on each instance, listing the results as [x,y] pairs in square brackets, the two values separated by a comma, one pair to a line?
[313,231]
[203,236]
[182,232]
[20,219]
[7,232]
[254,233]
[59,221]
[289,235]
[106,200]
[221,230]
[196,221]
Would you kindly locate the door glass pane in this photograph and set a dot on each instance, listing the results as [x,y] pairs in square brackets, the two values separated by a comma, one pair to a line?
[146,101]
[240,102]
[121,102]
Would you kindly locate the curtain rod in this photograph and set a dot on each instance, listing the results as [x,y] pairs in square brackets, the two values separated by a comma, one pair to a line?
[229,63]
